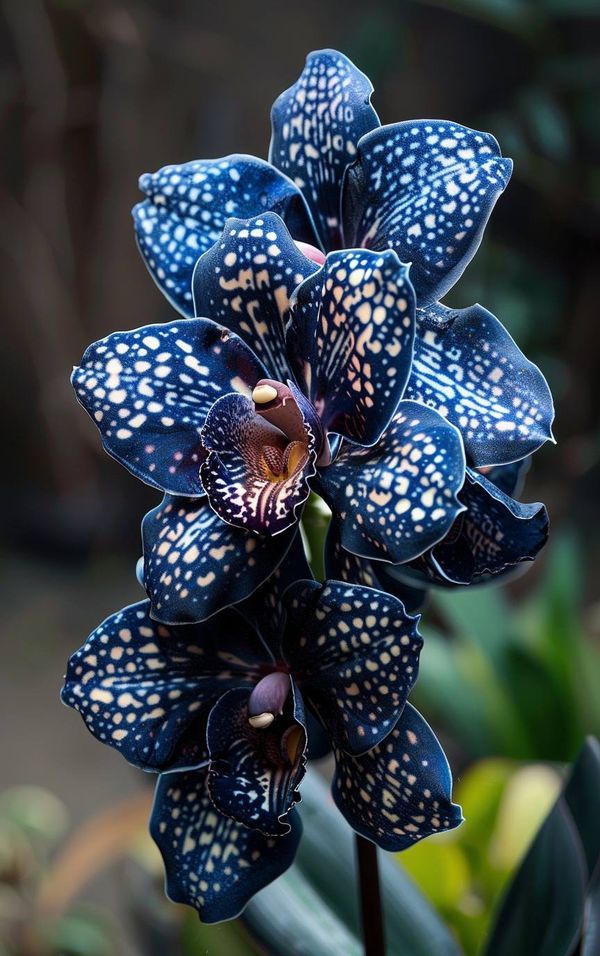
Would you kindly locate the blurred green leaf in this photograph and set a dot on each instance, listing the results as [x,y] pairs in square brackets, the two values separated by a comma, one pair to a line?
[35,811]
[541,913]
[84,933]
[327,858]
[543,909]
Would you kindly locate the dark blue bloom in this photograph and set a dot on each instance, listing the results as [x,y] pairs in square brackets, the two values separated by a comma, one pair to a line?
[221,710]
[421,188]
[250,413]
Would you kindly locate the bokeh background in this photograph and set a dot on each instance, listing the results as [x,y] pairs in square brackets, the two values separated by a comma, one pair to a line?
[95,92]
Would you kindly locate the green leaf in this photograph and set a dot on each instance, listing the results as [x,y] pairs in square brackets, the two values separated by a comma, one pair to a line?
[581,795]
[542,911]
[290,918]
[326,857]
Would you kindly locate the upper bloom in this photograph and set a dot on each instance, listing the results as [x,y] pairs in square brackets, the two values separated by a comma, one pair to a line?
[421,188]
[223,709]
[296,380]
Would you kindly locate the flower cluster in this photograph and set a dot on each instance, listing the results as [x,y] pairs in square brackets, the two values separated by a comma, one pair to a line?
[311,355]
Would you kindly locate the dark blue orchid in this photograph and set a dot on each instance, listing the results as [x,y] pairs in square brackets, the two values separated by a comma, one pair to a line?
[298,383]
[422,188]
[222,710]
[494,537]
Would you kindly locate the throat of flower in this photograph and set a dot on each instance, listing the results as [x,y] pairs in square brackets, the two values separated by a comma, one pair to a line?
[279,465]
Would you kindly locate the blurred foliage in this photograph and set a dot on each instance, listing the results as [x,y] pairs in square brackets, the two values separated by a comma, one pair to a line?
[515,679]
[32,822]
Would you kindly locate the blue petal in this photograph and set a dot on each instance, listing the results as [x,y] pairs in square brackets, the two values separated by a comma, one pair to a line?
[316,125]
[236,476]
[254,774]
[265,609]
[351,341]
[212,862]
[492,537]
[245,282]
[141,687]
[149,391]
[401,791]
[344,566]
[395,500]
[195,564]
[188,206]
[355,653]
[468,367]
[509,478]
[424,188]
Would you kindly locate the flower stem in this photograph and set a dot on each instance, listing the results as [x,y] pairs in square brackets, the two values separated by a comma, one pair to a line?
[370,897]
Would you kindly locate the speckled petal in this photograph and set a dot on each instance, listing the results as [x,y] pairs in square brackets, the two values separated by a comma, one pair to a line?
[265,610]
[424,188]
[351,340]
[493,536]
[212,862]
[188,206]
[468,367]
[395,500]
[355,653]
[141,686]
[344,566]
[509,478]
[316,125]
[245,282]
[236,476]
[149,391]
[401,791]
[254,774]
[196,564]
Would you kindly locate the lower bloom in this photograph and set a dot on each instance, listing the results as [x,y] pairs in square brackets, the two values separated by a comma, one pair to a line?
[226,711]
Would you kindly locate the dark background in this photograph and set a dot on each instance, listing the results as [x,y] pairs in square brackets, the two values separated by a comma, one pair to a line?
[92,94]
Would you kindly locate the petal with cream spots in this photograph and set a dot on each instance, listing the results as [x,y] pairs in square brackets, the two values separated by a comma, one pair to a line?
[426,189]
[195,564]
[351,340]
[316,125]
[492,537]
[344,566]
[400,791]
[255,476]
[149,391]
[188,206]
[468,367]
[509,478]
[355,653]
[255,772]
[142,687]
[245,282]
[395,500]
[213,863]
[265,609]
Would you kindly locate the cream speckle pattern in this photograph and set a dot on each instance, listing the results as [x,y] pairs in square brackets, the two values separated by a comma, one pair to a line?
[468,367]
[149,391]
[358,650]
[424,188]
[350,338]
[188,206]
[395,500]
[400,791]
[245,283]
[212,862]
[316,125]
[195,563]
